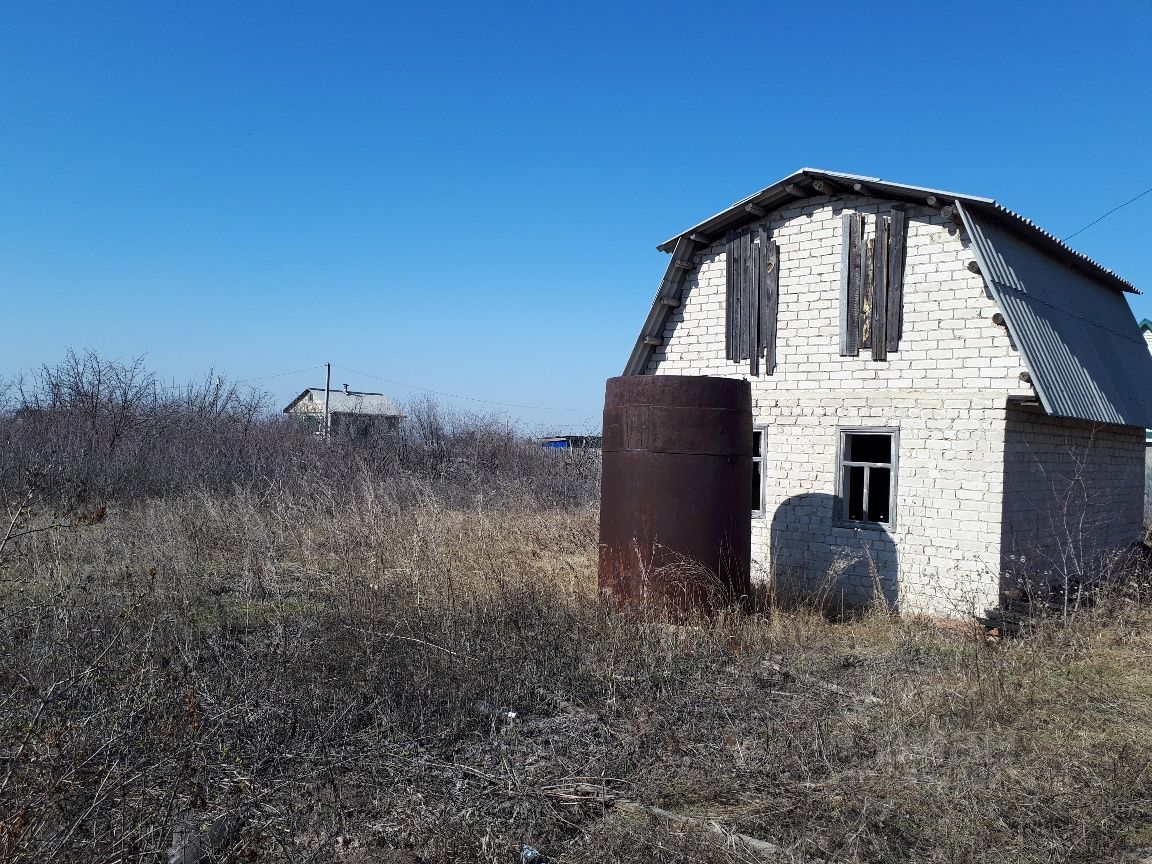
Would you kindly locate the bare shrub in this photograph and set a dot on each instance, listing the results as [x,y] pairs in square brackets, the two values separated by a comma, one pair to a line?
[95,430]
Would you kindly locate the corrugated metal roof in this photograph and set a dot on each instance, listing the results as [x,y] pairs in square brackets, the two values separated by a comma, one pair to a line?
[1078,339]
[777,195]
[346,402]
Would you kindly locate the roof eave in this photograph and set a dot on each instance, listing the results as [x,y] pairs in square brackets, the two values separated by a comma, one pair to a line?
[294,402]
[1033,233]
[774,196]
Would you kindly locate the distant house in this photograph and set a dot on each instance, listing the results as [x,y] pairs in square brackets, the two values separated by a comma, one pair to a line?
[947,399]
[351,414]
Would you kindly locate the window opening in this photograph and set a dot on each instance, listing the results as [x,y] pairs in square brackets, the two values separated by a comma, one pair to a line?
[867,472]
[757,472]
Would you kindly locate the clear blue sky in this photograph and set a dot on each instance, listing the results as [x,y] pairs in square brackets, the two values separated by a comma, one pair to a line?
[468,197]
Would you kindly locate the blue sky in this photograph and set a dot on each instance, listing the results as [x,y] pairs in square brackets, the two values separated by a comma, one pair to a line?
[468,197]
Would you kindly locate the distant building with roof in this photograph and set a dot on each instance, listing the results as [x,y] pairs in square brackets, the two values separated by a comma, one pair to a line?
[351,414]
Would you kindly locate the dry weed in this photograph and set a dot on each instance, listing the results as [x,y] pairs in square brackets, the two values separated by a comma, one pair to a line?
[310,679]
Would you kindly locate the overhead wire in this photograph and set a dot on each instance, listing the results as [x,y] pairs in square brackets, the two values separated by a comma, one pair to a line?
[279,374]
[457,395]
[1106,215]
[413,387]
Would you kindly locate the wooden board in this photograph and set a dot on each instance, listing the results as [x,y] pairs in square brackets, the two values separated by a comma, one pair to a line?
[867,292]
[741,319]
[845,258]
[880,290]
[769,303]
[752,302]
[855,283]
[897,243]
[729,292]
[747,296]
[739,331]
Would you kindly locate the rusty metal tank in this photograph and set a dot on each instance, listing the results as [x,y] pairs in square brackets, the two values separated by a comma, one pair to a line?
[676,493]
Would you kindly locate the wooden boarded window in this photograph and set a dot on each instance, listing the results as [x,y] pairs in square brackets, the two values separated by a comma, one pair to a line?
[872,284]
[752,298]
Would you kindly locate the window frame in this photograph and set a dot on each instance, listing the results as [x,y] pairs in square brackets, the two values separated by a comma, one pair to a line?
[758,459]
[842,520]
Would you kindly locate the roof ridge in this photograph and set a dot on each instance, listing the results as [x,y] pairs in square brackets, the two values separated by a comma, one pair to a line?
[349,392]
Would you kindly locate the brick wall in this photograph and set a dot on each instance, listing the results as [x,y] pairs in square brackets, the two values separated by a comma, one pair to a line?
[946,389]
[941,554]
[1073,494]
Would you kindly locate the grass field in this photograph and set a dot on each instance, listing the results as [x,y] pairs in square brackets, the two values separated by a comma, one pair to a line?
[279,677]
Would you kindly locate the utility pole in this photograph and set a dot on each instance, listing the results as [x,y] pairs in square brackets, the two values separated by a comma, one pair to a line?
[327,390]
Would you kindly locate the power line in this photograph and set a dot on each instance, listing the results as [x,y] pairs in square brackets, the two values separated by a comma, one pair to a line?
[457,395]
[1109,213]
[413,387]
[278,374]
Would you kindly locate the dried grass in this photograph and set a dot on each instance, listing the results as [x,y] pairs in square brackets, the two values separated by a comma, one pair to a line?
[325,682]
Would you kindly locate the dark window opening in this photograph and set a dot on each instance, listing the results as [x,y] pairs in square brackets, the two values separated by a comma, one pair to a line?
[867,464]
[866,447]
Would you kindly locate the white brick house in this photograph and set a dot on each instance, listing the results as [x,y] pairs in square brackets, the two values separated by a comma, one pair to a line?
[935,421]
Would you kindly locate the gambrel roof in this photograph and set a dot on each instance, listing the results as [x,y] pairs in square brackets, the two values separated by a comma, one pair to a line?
[1065,312]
